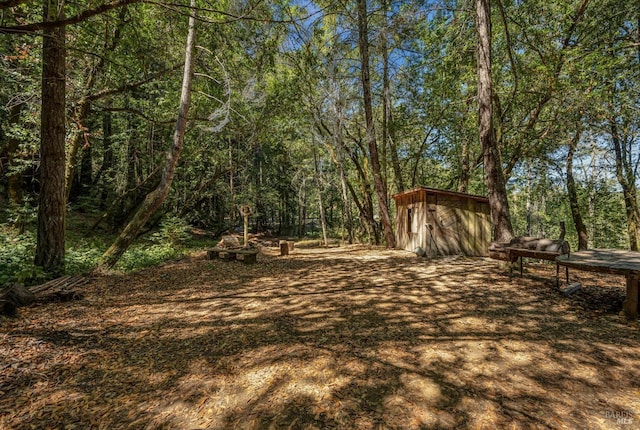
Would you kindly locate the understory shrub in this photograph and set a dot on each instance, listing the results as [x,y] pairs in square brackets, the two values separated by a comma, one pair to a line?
[16,258]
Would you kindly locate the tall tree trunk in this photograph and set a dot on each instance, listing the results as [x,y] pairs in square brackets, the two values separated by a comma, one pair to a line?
[627,179]
[497,192]
[366,207]
[347,222]
[155,199]
[86,168]
[363,211]
[381,189]
[528,203]
[106,169]
[576,214]
[50,247]
[14,178]
[465,168]
[593,178]
[323,218]
[84,105]
[338,140]
[387,134]
[302,208]
[343,187]
[232,191]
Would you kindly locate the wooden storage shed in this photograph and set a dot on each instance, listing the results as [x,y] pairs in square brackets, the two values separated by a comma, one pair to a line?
[442,222]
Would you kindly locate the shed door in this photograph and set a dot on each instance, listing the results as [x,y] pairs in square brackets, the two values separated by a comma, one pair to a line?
[413,226]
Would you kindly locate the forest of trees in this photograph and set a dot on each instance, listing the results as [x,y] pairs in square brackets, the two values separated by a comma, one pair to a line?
[315,113]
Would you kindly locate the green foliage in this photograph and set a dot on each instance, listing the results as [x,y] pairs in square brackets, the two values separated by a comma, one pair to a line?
[267,96]
[171,241]
[173,231]
[142,255]
[16,258]
[82,257]
[23,214]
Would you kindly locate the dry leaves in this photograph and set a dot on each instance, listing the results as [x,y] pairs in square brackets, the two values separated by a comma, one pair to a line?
[326,338]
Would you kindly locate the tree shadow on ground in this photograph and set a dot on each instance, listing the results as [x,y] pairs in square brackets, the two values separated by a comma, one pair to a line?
[341,338]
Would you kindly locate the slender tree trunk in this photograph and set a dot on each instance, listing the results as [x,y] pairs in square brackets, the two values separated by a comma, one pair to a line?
[463,186]
[106,170]
[232,191]
[345,197]
[155,199]
[14,178]
[528,203]
[84,105]
[627,180]
[50,248]
[339,145]
[381,189]
[366,207]
[497,192]
[302,208]
[365,219]
[323,218]
[86,168]
[80,117]
[576,214]
[387,134]
[593,177]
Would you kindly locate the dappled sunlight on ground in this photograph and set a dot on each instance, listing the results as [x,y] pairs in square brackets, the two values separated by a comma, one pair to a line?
[344,338]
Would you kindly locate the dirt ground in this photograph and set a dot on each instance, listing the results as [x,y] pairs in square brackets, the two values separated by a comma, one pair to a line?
[345,338]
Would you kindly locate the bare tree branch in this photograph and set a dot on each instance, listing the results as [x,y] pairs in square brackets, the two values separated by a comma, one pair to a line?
[130,85]
[37,26]
[10,3]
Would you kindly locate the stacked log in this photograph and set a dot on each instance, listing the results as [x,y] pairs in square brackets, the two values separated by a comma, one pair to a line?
[60,289]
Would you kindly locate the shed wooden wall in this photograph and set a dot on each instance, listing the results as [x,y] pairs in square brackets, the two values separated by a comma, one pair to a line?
[461,225]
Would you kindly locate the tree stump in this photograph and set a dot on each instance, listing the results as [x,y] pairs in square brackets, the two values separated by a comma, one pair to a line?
[284,248]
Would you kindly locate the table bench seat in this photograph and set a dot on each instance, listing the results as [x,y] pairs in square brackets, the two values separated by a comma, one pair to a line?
[245,255]
[518,253]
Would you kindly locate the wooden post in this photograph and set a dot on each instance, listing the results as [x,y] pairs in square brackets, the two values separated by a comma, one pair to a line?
[246,229]
[245,211]
[284,248]
[630,304]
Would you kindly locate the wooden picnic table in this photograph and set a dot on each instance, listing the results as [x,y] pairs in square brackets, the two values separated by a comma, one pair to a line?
[613,261]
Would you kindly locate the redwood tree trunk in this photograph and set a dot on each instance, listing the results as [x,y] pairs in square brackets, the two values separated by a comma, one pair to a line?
[583,238]
[381,189]
[52,202]
[496,189]
[155,199]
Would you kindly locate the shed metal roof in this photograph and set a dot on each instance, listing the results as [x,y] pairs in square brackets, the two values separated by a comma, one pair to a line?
[442,192]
